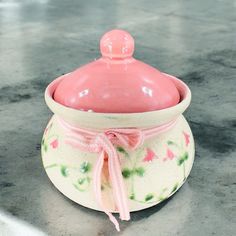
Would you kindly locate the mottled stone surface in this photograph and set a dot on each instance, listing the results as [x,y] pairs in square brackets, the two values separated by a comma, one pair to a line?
[194,40]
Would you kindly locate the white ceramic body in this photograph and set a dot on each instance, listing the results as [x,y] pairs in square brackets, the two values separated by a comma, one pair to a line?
[151,174]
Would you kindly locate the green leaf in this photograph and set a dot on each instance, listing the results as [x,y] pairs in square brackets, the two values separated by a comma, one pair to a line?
[132,196]
[81,181]
[140,171]
[162,198]
[42,142]
[82,184]
[169,142]
[85,167]
[148,197]
[175,187]
[79,188]
[122,150]
[180,161]
[64,171]
[45,147]
[164,190]
[185,156]
[51,166]
[126,173]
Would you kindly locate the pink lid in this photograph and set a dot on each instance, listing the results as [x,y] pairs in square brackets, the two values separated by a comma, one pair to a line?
[116,82]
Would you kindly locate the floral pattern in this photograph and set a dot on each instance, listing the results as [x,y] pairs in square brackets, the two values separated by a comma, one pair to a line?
[169,155]
[180,155]
[135,168]
[183,155]
[83,181]
[49,140]
[149,156]
[186,138]
[54,143]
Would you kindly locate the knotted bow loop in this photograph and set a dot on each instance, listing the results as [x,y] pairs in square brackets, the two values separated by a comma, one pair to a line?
[129,138]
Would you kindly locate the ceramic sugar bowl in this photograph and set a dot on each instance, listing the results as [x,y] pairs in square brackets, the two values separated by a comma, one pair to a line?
[117,141]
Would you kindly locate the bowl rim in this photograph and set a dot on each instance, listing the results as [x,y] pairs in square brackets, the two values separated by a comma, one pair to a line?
[115,120]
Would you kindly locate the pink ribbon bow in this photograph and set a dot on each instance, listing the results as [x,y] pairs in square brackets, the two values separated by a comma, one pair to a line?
[104,144]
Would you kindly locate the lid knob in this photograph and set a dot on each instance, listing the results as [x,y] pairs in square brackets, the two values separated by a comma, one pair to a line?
[117,44]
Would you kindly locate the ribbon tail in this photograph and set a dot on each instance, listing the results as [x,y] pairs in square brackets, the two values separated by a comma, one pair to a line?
[97,189]
[118,185]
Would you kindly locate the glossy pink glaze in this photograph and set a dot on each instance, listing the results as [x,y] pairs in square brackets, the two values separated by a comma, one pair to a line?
[117,44]
[117,83]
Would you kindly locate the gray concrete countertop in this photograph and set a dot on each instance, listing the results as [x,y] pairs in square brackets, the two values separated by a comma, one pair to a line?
[194,40]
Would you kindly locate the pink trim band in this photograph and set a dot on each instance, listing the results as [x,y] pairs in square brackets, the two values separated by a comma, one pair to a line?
[103,143]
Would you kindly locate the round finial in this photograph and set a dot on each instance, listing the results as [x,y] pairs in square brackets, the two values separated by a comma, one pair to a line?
[117,44]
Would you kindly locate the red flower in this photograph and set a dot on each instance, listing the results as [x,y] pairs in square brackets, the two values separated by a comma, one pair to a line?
[54,143]
[186,138]
[169,155]
[149,156]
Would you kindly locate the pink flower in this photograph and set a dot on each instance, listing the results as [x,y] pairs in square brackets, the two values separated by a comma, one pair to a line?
[187,138]
[54,143]
[149,156]
[169,155]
